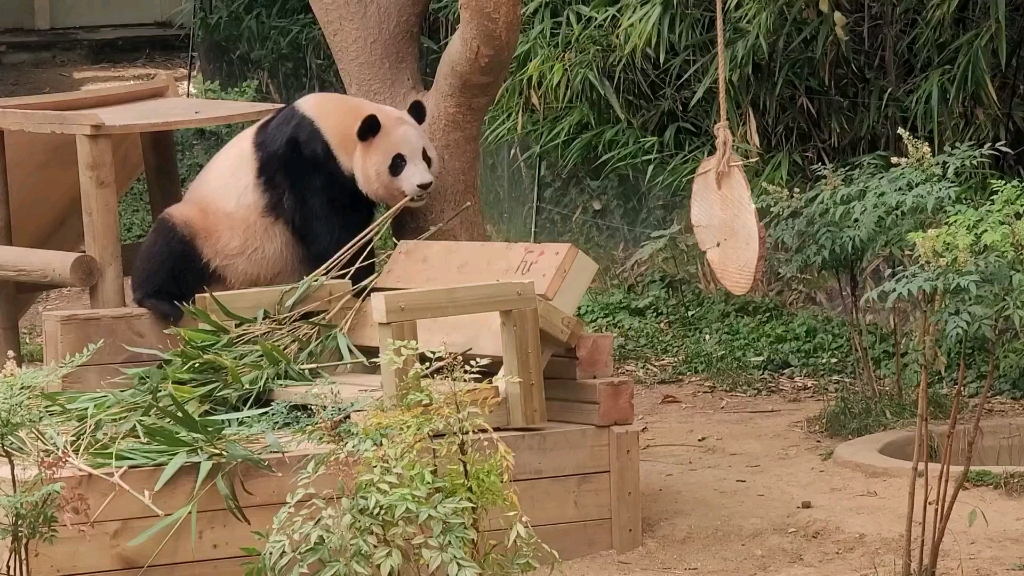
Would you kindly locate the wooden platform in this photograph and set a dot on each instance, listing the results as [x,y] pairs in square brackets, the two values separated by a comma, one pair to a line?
[578,485]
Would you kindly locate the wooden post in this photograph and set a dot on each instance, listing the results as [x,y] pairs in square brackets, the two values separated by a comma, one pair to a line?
[624,451]
[391,376]
[162,178]
[99,218]
[521,359]
[10,338]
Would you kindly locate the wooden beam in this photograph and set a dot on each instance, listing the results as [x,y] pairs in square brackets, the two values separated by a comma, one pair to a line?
[521,357]
[162,179]
[48,267]
[427,303]
[99,218]
[560,326]
[70,332]
[393,376]
[10,336]
[602,402]
[248,302]
[624,450]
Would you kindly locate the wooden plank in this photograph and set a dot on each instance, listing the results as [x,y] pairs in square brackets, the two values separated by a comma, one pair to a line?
[262,489]
[163,181]
[557,449]
[599,402]
[67,333]
[569,541]
[561,327]
[249,301]
[445,264]
[48,267]
[102,377]
[577,281]
[91,97]
[153,115]
[521,354]
[560,500]
[222,567]
[99,217]
[426,303]
[221,536]
[10,336]
[624,450]
[393,376]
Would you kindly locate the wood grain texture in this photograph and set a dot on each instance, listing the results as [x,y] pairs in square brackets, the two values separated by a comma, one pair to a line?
[624,449]
[67,333]
[10,336]
[521,357]
[48,267]
[473,298]
[100,219]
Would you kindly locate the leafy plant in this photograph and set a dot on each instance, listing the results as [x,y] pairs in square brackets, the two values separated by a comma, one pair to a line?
[406,498]
[32,501]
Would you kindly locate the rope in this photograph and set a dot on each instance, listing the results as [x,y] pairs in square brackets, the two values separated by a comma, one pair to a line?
[723,136]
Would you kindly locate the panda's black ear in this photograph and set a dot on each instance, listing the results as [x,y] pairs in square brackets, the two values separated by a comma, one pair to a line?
[368,128]
[418,110]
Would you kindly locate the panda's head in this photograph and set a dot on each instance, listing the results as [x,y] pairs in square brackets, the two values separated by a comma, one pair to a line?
[393,158]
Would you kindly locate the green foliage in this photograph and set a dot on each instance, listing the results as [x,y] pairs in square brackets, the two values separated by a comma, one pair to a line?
[277,44]
[31,501]
[672,330]
[630,83]
[1012,483]
[852,414]
[860,214]
[405,498]
[195,147]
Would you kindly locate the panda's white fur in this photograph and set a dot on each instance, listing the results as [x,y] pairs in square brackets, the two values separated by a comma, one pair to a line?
[283,196]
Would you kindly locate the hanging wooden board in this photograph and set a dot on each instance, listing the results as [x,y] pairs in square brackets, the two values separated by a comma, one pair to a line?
[725,223]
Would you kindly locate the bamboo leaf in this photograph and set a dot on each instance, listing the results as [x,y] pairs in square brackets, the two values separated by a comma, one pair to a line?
[171,470]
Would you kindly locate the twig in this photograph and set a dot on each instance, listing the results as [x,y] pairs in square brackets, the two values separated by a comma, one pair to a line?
[922,392]
[674,444]
[116,480]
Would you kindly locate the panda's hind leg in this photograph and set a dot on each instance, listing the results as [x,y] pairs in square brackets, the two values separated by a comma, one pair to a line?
[169,270]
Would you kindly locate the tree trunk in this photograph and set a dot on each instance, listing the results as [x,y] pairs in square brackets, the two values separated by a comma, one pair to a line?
[376,45]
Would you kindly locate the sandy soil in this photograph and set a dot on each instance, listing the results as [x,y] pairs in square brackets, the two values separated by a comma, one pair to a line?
[730,504]
[721,490]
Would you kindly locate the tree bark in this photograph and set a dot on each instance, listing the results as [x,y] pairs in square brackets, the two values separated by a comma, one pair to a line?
[376,45]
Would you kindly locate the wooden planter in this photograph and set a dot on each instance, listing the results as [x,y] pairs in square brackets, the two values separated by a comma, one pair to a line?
[578,485]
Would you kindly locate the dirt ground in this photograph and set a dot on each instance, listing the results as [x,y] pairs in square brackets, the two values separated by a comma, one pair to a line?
[723,479]
[722,476]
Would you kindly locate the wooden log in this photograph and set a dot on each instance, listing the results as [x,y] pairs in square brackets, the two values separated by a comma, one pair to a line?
[624,450]
[99,218]
[10,336]
[521,356]
[161,162]
[600,402]
[48,267]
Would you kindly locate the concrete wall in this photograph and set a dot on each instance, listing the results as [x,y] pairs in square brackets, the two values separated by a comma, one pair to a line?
[76,13]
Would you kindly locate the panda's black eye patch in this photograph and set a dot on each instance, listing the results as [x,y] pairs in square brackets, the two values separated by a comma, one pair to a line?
[426,157]
[397,165]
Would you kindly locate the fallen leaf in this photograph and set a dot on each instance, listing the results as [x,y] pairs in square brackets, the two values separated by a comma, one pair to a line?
[670,399]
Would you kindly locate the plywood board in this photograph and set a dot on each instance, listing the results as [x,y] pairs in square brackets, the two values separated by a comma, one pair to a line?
[157,114]
[435,264]
[67,333]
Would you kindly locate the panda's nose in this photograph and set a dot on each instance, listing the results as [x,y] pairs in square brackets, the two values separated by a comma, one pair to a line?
[425,185]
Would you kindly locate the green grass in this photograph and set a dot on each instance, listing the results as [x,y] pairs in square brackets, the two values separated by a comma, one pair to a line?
[668,332]
[851,413]
[1012,483]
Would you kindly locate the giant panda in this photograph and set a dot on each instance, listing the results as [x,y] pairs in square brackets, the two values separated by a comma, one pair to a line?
[282,197]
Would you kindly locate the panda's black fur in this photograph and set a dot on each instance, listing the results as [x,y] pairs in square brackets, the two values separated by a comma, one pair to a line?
[304,186]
